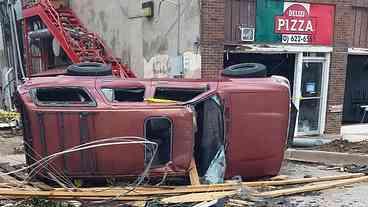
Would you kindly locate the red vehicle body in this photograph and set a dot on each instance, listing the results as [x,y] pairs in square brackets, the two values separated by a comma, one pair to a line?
[249,117]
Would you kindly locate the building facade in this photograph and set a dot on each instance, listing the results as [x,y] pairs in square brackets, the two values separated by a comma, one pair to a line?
[313,56]
[319,45]
[164,45]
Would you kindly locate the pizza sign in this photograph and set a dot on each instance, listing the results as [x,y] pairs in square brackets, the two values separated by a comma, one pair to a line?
[303,23]
[296,20]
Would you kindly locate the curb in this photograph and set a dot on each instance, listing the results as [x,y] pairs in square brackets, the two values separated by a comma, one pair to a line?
[327,158]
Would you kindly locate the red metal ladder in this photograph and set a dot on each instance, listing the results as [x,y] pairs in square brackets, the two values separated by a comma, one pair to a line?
[79,44]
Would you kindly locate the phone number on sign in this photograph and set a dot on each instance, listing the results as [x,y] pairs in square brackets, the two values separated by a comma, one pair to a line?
[298,39]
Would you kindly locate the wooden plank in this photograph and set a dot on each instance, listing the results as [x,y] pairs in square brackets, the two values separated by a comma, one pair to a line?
[357,23]
[228,25]
[279,178]
[243,13]
[59,194]
[41,186]
[208,188]
[198,197]
[123,198]
[235,13]
[252,13]
[193,173]
[302,180]
[363,26]
[238,12]
[125,192]
[360,3]
[219,187]
[241,202]
[196,193]
[310,188]
[179,190]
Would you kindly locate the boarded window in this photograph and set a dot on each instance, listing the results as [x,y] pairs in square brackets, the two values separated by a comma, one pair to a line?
[62,96]
[124,94]
[159,130]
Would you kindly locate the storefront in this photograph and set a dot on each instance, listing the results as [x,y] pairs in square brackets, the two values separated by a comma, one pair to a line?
[294,40]
[356,88]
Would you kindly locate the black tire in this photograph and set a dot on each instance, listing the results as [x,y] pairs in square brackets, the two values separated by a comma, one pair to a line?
[89,69]
[246,70]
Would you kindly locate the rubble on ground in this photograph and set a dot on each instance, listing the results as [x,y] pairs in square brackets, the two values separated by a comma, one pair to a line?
[230,193]
[341,145]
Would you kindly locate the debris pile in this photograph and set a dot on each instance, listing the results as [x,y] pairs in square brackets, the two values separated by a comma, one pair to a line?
[340,145]
[232,193]
[17,185]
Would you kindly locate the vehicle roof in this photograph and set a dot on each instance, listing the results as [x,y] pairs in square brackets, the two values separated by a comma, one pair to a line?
[92,81]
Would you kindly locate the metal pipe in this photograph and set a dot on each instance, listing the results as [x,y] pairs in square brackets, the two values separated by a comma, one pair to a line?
[15,62]
[8,85]
[179,24]
[17,43]
[41,33]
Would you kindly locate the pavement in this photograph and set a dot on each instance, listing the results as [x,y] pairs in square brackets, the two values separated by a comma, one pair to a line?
[349,196]
[327,158]
[355,132]
[11,149]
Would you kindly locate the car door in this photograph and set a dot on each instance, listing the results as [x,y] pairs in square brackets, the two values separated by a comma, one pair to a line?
[170,126]
[59,125]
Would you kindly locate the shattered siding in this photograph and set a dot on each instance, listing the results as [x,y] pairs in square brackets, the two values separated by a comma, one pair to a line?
[148,46]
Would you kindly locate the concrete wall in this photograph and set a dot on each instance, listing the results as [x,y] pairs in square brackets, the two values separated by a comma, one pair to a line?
[149,46]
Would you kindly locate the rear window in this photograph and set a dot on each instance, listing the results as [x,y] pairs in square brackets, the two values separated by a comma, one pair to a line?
[63,96]
[124,94]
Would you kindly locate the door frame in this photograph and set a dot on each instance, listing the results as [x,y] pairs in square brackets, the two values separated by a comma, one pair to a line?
[299,60]
[298,51]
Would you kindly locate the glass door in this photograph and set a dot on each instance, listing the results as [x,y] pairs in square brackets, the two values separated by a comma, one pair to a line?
[310,100]
[311,92]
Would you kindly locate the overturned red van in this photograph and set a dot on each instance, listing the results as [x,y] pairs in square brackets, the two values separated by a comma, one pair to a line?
[247,119]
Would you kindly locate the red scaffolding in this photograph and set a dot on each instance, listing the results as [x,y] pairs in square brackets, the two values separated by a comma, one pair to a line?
[77,42]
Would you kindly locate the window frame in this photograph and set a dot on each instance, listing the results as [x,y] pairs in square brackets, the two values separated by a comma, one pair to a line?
[201,90]
[33,93]
[121,102]
[171,137]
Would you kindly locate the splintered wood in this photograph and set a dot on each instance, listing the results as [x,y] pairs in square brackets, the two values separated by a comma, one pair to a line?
[193,173]
[13,189]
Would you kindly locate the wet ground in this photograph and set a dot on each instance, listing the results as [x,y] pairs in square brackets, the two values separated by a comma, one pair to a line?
[350,196]
[11,147]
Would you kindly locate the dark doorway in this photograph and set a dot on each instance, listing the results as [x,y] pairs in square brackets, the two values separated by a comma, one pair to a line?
[277,64]
[356,89]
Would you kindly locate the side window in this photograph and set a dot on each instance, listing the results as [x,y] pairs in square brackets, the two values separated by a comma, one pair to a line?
[159,130]
[178,94]
[62,96]
[124,94]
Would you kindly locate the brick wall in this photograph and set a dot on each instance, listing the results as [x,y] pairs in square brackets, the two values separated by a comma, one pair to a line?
[212,39]
[343,35]
[344,24]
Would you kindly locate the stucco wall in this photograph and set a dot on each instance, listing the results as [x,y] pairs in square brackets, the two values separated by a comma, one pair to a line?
[149,46]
